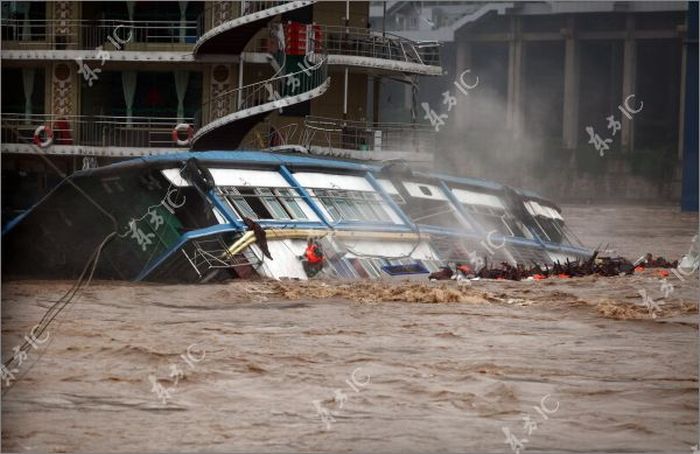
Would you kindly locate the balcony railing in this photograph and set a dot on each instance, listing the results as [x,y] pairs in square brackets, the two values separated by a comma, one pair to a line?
[266,91]
[89,34]
[98,131]
[363,42]
[212,15]
[336,135]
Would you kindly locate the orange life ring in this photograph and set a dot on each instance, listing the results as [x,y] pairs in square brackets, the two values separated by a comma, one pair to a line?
[37,136]
[176,134]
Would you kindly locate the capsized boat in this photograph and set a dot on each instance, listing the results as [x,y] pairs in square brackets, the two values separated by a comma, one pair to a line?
[198,217]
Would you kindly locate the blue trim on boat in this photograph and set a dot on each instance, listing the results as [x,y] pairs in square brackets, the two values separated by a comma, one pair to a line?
[289,177]
[224,209]
[486,184]
[258,157]
[16,220]
[214,229]
[372,227]
[390,201]
[291,224]
[460,209]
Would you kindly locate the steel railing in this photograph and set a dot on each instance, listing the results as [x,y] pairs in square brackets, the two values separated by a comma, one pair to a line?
[89,34]
[364,42]
[208,19]
[336,134]
[98,130]
[266,91]
[330,134]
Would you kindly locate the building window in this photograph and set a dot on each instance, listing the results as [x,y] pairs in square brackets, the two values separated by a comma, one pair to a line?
[263,203]
[349,205]
[17,84]
[23,21]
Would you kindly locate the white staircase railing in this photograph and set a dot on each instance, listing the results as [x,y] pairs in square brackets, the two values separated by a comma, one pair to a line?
[247,12]
[264,96]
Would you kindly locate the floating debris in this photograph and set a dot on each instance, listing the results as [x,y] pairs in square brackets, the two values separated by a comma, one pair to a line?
[595,265]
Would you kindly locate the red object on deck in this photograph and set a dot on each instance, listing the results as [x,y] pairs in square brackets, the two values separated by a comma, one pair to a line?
[639,269]
[295,38]
[301,39]
[61,132]
[539,277]
[563,276]
[663,273]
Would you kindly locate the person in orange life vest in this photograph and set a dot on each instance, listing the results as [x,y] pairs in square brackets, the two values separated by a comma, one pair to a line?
[465,270]
[312,260]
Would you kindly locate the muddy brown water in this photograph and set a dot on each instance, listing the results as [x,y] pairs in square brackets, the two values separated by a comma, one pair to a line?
[401,367]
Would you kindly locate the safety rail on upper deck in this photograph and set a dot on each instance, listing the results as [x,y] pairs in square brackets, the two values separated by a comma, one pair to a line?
[95,131]
[262,97]
[364,42]
[246,17]
[62,34]
[331,135]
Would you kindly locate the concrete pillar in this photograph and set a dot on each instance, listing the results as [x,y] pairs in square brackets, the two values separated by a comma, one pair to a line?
[681,109]
[629,76]
[516,53]
[571,87]
[463,61]
[463,57]
[376,91]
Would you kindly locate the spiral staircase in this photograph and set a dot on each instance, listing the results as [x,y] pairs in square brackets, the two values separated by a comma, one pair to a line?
[226,118]
[250,104]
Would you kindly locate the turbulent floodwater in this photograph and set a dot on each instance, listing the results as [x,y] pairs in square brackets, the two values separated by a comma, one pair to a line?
[407,367]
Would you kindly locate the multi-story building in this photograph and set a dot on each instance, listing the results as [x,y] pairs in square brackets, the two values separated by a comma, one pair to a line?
[89,83]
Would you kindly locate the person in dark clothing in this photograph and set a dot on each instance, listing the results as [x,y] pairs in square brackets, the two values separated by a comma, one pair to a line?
[260,236]
[443,274]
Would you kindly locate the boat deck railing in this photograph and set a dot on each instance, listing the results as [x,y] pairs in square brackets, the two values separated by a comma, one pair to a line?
[60,34]
[214,13]
[97,130]
[264,92]
[331,134]
[364,42]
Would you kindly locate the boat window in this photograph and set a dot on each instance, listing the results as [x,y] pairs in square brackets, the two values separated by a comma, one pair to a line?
[548,222]
[492,218]
[349,205]
[288,199]
[263,203]
[551,229]
[239,203]
[271,203]
[516,227]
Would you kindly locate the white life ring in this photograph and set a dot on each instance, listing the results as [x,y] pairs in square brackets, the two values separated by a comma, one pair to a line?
[37,136]
[183,127]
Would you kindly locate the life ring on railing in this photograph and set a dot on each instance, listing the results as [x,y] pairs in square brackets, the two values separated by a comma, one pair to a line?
[37,136]
[176,134]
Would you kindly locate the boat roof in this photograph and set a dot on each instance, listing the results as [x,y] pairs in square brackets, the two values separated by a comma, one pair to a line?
[292,160]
